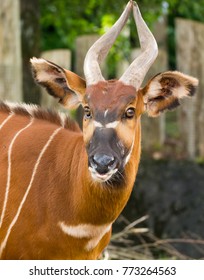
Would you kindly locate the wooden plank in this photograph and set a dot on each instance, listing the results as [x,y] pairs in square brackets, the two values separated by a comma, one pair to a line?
[10,51]
[190,60]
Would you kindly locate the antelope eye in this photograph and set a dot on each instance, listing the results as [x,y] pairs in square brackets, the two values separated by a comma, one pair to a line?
[87,113]
[130,113]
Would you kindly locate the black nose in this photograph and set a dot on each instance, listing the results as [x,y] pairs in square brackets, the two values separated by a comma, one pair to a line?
[103,163]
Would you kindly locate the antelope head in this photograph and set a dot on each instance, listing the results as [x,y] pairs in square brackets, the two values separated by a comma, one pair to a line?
[112,109]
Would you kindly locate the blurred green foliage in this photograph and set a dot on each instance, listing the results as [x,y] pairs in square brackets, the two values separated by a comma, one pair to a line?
[63,20]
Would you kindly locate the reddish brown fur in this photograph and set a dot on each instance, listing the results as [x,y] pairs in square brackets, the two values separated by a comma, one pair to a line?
[62,178]
[110,95]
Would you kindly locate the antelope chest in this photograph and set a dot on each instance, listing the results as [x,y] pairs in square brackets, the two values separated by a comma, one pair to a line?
[91,235]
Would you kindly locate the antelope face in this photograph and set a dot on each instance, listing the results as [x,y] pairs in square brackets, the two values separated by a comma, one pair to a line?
[110,117]
[111,107]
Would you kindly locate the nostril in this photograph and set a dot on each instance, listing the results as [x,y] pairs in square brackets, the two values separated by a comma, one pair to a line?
[102,159]
[94,159]
[111,162]
[103,162]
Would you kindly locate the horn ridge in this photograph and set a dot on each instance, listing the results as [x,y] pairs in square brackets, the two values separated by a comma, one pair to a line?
[99,50]
[137,70]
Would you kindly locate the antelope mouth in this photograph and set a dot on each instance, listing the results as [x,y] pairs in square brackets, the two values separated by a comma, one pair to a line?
[101,178]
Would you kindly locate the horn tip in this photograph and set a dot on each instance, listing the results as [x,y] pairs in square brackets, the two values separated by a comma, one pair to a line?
[133,3]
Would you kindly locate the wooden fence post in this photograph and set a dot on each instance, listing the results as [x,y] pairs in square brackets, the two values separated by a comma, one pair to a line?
[30,45]
[190,60]
[62,57]
[83,43]
[154,129]
[10,51]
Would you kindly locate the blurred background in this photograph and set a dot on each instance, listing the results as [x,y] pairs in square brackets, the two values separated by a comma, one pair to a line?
[165,215]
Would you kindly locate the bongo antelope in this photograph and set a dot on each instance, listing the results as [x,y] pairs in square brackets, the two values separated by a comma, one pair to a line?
[62,189]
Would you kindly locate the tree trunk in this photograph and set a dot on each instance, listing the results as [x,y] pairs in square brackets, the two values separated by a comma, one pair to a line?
[30,40]
[190,60]
[10,51]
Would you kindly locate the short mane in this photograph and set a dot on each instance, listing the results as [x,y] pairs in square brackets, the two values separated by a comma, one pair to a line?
[37,112]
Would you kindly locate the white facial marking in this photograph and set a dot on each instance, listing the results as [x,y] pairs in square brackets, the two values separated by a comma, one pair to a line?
[127,158]
[121,147]
[105,114]
[98,124]
[3,244]
[112,124]
[101,178]
[108,125]
[129,155]
[89,231]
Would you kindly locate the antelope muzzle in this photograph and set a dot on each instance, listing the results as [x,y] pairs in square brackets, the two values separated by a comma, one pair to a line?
[106,155]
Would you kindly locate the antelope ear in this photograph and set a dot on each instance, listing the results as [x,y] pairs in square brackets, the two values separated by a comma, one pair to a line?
[164,91]
[65,85]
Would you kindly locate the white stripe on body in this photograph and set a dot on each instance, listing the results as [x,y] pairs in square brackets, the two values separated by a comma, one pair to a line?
[92,232]
[6,120]
[3,244]
[9,170]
